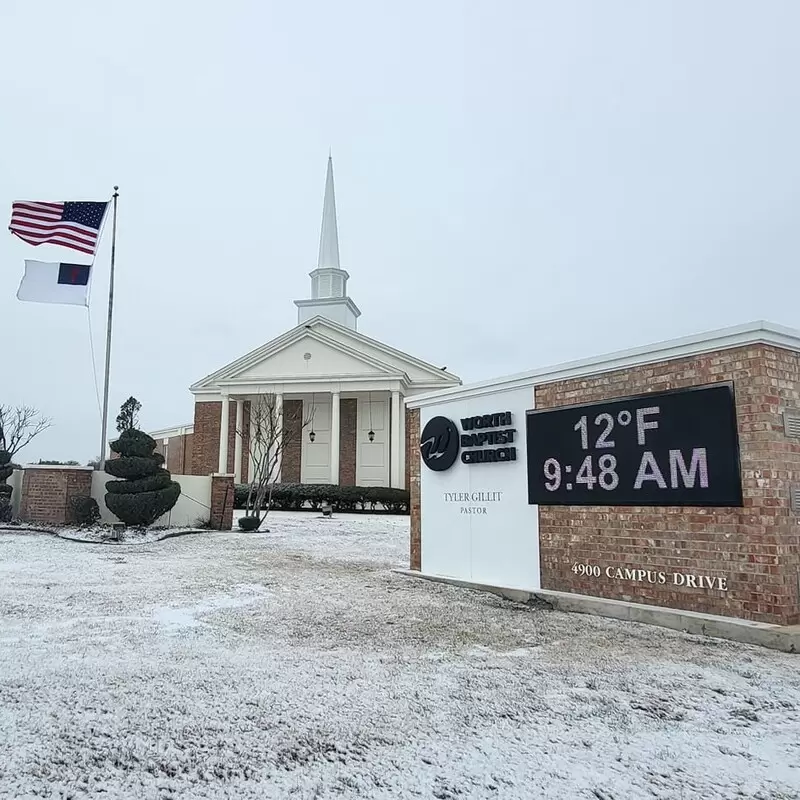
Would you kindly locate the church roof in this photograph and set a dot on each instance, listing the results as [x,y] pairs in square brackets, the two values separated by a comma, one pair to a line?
[337,353]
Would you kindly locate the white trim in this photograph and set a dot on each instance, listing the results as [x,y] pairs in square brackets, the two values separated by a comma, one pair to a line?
[759,332]
[313,386]
[335,436]
[402,456]
[229,384]
[320,270]
[58,466]
[396,411]
[224,433]
[169,433]
[330,301]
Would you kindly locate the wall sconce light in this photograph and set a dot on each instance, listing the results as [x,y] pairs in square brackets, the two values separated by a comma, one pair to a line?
[371,436]
[312,435]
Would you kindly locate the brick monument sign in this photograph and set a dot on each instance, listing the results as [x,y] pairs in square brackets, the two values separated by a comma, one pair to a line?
[668,476]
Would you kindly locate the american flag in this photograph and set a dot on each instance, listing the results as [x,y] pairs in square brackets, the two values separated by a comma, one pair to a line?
[70,224]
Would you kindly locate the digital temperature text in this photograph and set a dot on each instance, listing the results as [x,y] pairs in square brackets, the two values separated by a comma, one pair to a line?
[669,448]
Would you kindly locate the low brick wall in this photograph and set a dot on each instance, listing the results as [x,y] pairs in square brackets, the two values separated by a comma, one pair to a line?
[47,492]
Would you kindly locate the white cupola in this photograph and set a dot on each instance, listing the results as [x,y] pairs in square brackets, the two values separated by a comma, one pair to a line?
[329,281]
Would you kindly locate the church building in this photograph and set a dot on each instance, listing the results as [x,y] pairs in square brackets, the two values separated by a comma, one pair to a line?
[340,394]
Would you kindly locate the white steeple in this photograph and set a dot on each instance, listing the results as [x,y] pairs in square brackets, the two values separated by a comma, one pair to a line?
[329,281]
[329,236]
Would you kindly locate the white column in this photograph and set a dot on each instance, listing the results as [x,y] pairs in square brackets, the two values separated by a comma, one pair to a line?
[335,438]
[224,423]
[394,463]
[237,442]
[279,436]
[401,482]
[251,464]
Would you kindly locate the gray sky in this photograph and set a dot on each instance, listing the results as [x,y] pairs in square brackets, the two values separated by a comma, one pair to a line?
[518,183]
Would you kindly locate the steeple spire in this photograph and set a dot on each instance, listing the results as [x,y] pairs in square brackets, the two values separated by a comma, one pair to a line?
[329,236]
[329,296]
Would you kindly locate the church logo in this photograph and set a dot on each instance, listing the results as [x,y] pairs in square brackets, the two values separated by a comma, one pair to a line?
[439,444]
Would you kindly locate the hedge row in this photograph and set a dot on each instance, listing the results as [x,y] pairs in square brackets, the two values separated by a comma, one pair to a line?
[297,496]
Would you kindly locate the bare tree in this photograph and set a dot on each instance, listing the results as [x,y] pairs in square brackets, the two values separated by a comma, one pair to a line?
[272,430]
[18,426]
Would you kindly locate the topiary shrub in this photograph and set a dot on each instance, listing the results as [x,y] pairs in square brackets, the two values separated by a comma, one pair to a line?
[85,510]
[6,470]
[146,490]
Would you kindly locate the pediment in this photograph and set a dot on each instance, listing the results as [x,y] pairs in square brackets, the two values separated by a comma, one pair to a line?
[310,356]
[416,370]
[322,348]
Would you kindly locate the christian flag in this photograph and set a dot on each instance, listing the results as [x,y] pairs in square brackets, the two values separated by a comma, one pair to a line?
[54,282]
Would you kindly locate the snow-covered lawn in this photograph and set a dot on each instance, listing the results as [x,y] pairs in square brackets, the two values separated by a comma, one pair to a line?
[297,664]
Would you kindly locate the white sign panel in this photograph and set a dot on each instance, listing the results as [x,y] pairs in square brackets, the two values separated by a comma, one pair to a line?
[476,522]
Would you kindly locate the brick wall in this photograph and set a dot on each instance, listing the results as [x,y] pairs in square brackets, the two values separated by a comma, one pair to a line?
[46,494]
[205,453]
[179,453]
[756,548]
[221,514]
[413,462]
[245,442]
[348,441]
[204,456]
[293,448]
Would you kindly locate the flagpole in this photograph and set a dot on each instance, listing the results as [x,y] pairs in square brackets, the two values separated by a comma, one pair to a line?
[108,332]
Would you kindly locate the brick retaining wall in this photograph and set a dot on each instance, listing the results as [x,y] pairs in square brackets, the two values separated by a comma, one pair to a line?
[47,492]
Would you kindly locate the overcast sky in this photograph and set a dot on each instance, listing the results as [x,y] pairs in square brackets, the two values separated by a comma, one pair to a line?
[518,183]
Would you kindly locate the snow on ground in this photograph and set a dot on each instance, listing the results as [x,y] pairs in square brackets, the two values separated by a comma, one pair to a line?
[104,534]
[296,664]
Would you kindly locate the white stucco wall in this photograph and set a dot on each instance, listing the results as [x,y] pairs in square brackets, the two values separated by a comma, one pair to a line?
[193,506]
[501,546]
[16,482]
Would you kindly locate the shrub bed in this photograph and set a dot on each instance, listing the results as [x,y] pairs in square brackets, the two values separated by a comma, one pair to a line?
[312,496]
[85,510]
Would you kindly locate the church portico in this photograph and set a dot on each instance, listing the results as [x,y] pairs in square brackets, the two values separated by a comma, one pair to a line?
[346,435]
